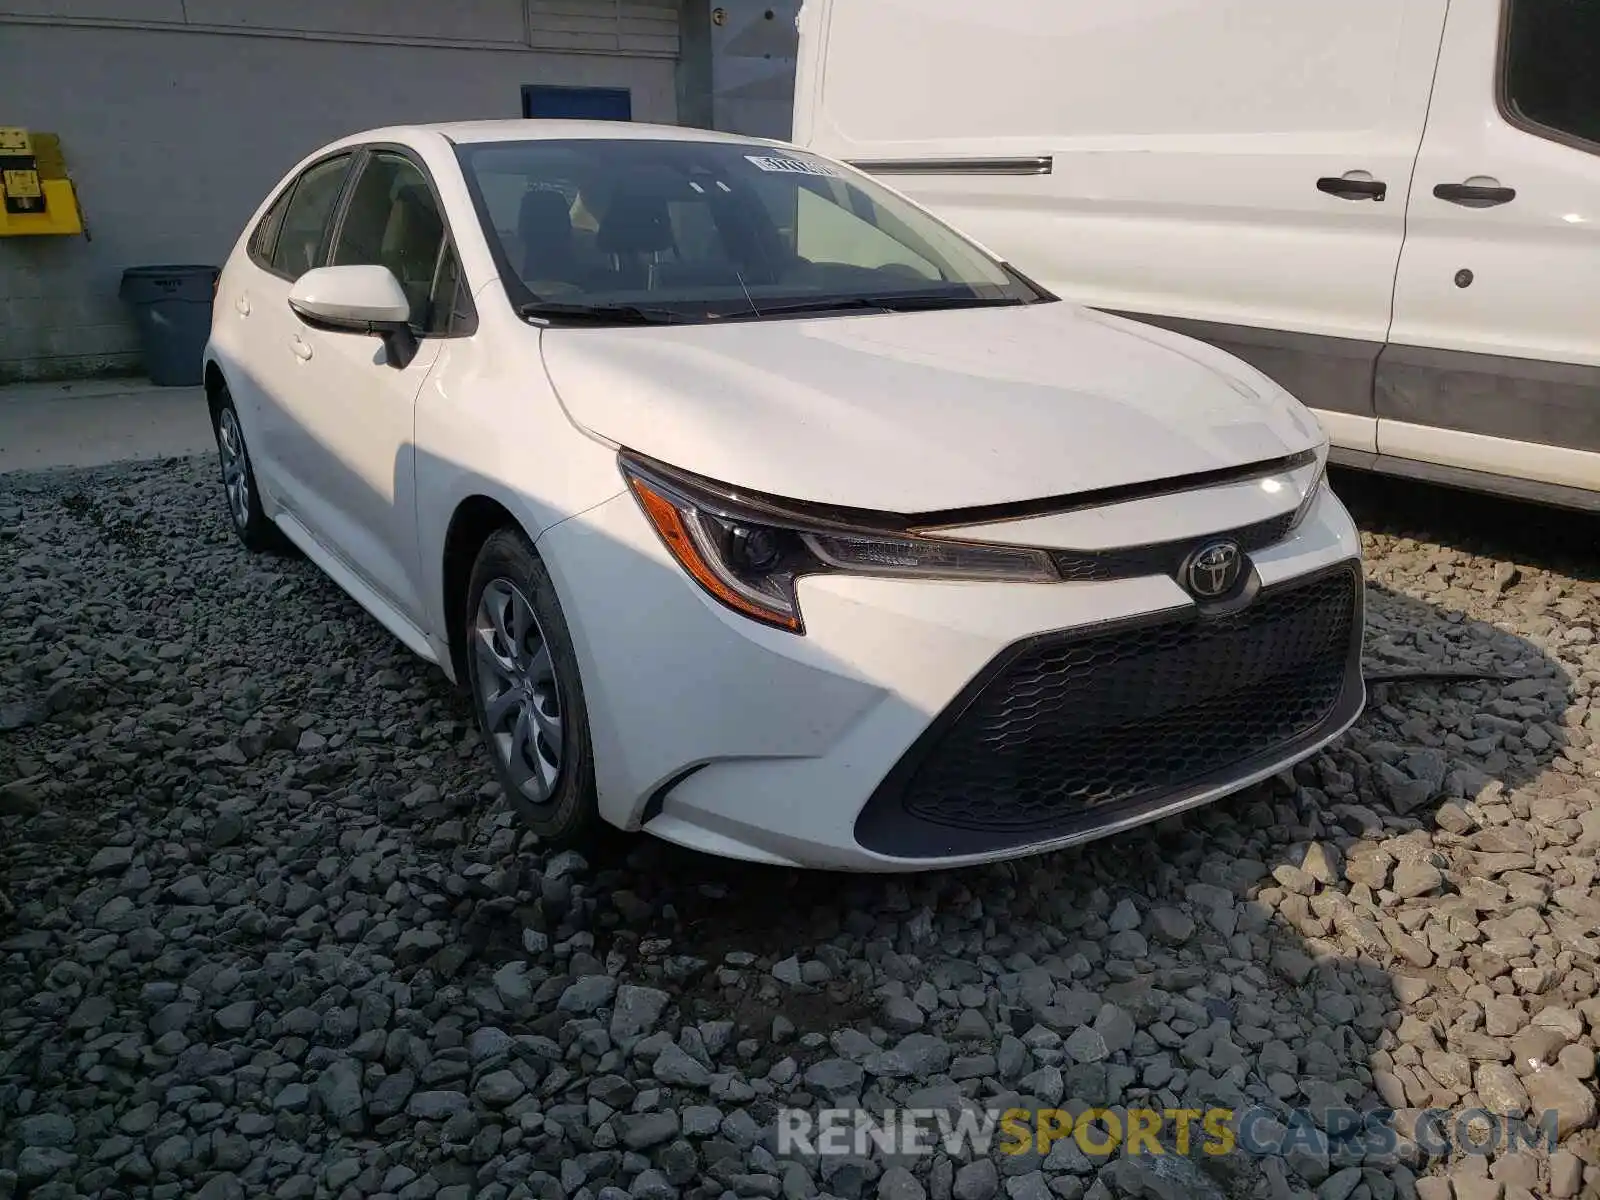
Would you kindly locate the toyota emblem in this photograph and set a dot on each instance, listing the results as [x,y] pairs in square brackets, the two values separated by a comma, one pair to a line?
[1214,570]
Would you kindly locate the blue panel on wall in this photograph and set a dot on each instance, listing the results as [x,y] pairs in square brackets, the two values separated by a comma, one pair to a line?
[577,103]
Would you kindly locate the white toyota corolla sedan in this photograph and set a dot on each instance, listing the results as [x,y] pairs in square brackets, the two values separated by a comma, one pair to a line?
[761,510]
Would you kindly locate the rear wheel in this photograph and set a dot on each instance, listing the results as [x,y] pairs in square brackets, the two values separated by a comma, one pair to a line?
[527,693]
[239,481]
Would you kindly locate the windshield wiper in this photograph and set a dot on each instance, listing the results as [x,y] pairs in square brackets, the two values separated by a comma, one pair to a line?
[913,302]
[557,312]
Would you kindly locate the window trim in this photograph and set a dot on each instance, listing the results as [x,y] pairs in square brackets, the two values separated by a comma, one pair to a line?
[266,264]
[364,152]
[469,315]
[1502,94]
[260,253]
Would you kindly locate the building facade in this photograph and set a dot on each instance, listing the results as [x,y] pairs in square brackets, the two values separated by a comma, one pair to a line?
[176,116]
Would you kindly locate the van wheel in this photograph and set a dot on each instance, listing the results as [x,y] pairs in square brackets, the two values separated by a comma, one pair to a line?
[239,482]
[527,693]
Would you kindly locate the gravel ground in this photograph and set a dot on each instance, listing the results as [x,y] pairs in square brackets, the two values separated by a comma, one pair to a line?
[272,933]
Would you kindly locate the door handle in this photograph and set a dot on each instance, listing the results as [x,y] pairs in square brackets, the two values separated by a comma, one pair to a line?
[1473,195]
[1353,189]
[302,350]
[241,305]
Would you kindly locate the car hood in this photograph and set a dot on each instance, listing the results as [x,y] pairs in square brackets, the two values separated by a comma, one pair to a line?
[924,412]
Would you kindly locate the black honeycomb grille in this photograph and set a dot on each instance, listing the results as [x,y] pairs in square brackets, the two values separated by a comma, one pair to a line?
[1074,724]
[1161,558]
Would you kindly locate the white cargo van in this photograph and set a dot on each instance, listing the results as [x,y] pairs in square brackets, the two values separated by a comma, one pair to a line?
[1390,206]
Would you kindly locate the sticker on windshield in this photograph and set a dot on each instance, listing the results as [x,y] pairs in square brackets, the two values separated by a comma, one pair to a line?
[793,166]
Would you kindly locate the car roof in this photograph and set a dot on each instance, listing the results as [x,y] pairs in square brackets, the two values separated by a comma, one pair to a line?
[540,129]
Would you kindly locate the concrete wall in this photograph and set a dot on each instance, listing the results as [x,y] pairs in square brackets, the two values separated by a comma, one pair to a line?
[694,65]
[753,53]
[177,117]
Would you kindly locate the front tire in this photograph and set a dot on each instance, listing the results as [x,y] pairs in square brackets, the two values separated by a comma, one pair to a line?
[245,513]
[527,693]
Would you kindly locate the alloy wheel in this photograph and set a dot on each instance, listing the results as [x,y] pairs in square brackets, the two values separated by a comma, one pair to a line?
[518,690]
[235,467]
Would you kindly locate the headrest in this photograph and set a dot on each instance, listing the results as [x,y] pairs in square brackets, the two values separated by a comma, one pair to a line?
[411,235]
[636,223]
[416,205]
[543,213]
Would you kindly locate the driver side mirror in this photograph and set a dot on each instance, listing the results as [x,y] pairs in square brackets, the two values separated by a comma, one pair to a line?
[358,299]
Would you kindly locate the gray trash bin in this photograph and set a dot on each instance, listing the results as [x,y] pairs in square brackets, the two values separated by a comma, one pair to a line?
[172,307]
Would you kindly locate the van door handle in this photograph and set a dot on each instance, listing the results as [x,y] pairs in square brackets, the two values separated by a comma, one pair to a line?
[1353,189]
[301,349]
[1473,195]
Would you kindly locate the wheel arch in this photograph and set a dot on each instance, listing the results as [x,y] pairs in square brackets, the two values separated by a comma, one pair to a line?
[215,386]
[475,519]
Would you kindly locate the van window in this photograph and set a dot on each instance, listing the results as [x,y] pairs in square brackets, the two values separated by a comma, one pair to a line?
[1552,66]
[903,71]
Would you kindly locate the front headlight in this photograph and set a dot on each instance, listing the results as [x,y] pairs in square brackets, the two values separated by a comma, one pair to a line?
[747,553]
[1318,482]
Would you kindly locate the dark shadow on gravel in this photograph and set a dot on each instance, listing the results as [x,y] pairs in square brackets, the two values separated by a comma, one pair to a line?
[1505,530]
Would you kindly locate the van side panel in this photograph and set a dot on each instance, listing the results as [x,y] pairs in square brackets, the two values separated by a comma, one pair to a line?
[1494,362]
[1210,162]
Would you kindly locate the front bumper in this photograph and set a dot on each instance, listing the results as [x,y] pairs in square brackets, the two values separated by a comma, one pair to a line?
[922,724]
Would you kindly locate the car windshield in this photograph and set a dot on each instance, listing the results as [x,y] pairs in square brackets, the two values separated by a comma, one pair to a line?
[634,230]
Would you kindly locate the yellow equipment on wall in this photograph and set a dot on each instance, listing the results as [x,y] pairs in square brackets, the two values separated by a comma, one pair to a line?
[38,196]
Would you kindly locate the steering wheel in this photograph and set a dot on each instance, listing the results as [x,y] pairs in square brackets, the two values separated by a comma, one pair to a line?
[550,288]
[903,271]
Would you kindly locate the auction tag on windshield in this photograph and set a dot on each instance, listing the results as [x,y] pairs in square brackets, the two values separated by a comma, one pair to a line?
[792,166]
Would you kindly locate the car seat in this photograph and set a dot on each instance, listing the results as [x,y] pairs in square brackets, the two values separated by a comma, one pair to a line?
[544,227]
[410,246]
[634,231]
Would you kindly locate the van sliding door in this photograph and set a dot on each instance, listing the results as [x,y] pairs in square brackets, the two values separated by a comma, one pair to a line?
[1494,356]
